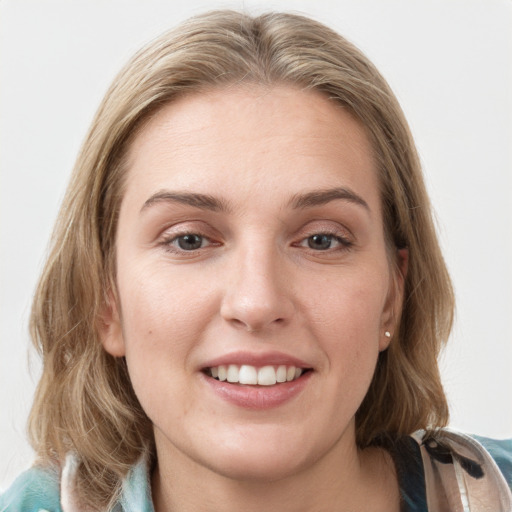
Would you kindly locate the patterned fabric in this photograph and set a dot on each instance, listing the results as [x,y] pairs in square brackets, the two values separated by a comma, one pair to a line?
[460,476]
[449,472]
[452,472]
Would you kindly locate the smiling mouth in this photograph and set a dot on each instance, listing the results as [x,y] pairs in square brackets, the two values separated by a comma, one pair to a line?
[255,376]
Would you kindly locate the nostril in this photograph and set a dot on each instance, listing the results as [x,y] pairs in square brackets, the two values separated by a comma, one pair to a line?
[239,324]
[259,326]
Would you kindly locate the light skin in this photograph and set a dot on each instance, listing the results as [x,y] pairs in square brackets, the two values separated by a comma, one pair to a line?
[251,224]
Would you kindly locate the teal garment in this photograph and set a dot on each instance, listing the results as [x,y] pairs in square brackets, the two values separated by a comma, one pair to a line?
[38,490]
[34,490]
[501,452]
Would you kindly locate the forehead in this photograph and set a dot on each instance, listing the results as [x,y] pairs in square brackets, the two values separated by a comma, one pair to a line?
[252,134]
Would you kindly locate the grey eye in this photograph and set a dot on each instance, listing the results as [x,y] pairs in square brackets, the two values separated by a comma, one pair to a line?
[320,242]
[190,242]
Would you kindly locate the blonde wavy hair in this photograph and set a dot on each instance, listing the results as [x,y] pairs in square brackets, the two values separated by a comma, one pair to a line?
[84,401]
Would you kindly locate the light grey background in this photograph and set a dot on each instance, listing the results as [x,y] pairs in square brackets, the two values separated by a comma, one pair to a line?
[449,62]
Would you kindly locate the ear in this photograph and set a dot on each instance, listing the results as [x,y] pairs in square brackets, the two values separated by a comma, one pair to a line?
[394,302]
[110,328]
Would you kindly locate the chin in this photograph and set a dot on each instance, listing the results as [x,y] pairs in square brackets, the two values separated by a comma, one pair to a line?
[262,459]
[274,467]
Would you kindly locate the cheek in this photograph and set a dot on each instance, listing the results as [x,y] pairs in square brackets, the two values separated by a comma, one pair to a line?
[160,320]
[352,304]
[347,321]
[158,305]
[160,328]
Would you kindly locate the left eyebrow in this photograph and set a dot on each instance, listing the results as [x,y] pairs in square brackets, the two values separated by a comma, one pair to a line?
[321,197]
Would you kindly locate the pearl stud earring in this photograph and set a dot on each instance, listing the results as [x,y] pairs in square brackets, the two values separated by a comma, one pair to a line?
[387,334]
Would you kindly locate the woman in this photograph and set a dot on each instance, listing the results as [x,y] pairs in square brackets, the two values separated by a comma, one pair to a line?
[245,299]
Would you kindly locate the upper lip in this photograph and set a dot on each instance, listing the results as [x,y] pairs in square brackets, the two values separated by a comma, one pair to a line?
[256,359]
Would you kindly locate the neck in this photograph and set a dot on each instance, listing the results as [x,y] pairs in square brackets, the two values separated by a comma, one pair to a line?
[361,480]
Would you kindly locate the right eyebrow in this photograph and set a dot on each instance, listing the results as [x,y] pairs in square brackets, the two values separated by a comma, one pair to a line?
[201,201]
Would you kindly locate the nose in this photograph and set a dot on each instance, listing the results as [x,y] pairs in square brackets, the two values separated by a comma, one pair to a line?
[257,296]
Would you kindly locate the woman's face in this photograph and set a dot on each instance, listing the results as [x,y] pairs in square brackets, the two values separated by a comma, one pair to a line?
[250,247]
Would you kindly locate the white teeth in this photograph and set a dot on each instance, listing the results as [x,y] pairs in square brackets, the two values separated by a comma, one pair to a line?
[267,376]
[251,375]
[281,373]
[248,375]
[232,374]
[222,373]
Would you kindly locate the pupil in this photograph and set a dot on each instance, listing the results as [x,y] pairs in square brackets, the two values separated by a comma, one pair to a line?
[320,242]
[190,242]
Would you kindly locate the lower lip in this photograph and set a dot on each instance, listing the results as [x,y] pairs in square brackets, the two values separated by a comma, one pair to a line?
[258,397]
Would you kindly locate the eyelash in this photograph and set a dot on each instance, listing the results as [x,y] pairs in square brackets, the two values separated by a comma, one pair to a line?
[170,243]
